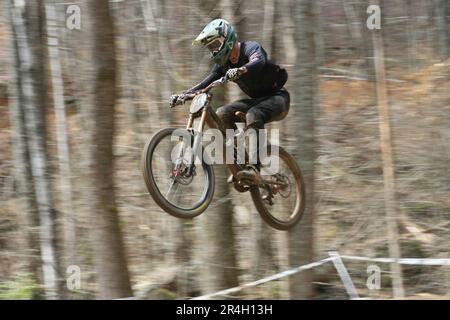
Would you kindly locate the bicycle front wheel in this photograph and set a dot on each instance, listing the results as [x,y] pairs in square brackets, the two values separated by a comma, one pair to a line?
[179,188]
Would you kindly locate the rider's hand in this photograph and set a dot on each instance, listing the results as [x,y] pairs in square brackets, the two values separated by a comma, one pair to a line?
[176,99]
[234,73]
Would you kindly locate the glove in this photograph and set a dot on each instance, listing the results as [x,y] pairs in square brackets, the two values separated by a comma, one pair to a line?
[234,73]
[176,99]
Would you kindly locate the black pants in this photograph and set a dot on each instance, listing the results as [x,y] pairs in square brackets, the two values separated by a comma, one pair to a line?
[258,110]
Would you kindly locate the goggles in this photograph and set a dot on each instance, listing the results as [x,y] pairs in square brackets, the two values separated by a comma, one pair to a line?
[215,46]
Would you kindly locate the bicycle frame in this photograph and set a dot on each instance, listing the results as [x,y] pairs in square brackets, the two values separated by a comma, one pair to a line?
[208,116]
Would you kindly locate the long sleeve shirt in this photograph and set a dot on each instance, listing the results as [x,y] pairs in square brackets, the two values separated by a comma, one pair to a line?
[263,77]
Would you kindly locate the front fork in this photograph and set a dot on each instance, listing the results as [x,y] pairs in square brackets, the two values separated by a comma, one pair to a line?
[197,144]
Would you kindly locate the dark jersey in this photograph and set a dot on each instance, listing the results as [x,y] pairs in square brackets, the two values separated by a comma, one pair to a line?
[263,78]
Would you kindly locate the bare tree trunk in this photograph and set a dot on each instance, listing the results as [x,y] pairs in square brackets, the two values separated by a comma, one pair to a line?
[262,255]
[268,25]
[411,33]
[287,37]
[388,163]
[301,237]
[232,15]
[351,18]
[21,157]
[442,27]
[353,28]
[219,270]
[262,235]
[28,32]
[215,245]
[61,137]
[126,29]
[183,253]
[365,50]
[110,259]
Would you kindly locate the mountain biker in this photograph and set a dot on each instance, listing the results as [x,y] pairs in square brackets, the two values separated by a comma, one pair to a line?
[246,64]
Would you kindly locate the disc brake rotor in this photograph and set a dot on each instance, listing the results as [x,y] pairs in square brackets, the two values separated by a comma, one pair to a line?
[285,186]
[181,175]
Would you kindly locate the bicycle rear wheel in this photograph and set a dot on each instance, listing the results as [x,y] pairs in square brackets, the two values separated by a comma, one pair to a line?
[280,203]
[179,191]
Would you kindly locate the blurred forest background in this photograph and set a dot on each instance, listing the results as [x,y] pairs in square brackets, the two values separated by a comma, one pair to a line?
[369,125]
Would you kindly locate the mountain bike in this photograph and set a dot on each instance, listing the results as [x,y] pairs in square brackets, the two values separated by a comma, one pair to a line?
[181,181]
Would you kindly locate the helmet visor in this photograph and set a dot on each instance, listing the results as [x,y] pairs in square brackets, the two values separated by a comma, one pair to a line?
[215,46]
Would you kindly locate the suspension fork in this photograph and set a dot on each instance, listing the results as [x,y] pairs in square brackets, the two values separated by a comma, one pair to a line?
[179,159]
[197,144]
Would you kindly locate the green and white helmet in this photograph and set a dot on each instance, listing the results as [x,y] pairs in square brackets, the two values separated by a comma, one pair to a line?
[219,37]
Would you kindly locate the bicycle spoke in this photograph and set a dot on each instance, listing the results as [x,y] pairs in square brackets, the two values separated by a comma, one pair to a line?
[171,184]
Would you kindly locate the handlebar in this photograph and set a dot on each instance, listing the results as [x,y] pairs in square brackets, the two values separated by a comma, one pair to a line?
[220,82]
